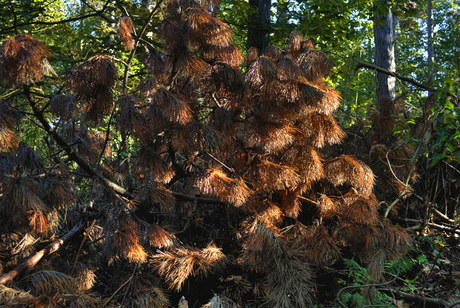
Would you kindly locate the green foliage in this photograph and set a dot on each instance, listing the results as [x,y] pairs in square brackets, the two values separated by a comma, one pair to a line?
[446,139]
[357,290]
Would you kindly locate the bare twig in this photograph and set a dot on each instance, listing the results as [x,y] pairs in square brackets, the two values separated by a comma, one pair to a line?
[121,287]
[384,71]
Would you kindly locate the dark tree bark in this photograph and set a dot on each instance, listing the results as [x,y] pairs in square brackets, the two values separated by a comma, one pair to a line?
[384,39]
[259,24]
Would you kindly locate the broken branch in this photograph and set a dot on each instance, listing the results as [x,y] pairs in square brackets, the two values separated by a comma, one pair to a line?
[32,261]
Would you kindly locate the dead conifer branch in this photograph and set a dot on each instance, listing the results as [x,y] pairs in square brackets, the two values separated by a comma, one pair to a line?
[32,261]
[81,162]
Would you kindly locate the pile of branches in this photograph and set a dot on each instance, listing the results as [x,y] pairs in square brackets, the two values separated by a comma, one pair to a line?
[230,195]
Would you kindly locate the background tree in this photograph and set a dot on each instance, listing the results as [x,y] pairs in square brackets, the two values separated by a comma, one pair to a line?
[384,39]
[259,24]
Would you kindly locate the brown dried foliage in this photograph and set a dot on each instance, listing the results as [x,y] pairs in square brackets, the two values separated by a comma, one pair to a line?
[217,183]
[10,297]
[271,137]
[290,282]
[147,295]
[64,106]
[153,192]
[346,169]
[9,141]
[267,176]
[321,247]
[156,64]
[125,29]
[23,60]
[261,71]
[127,243]
[130,118]
[290,202]
[206,29]
[92,82]
[89,143]
[271,216]
[294,45]
[196,137]
[361,211]
[20,203]
[172,106]
[260,249]
[52,283]
[227,87]
[319,129]
[306,162]
[149,160]
[158,237]
[314,63]
[85,278]
[178,265]
[327,207]
[60,192]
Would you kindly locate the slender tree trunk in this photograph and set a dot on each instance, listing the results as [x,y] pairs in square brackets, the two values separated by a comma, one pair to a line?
[259,24]
[384,39]
[430,46]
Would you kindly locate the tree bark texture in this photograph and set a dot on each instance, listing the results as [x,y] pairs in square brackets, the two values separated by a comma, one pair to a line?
[259,24]
[384,39]
[430,46]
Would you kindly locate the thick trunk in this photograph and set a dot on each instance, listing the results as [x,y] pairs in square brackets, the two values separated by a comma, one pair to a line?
[430,47]
[384,39]
[259,24]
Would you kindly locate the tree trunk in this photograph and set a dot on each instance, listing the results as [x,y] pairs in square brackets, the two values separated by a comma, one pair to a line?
[430,46]
[384,39]
[259,24]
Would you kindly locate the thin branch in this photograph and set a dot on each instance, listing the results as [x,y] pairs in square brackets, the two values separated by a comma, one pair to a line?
[443,216]
[96,13]
[122,286]
[384,71]
[136,44]
[106,141]
[418,299]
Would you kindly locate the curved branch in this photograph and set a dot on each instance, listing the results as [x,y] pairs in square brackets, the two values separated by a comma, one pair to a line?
[384,71]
